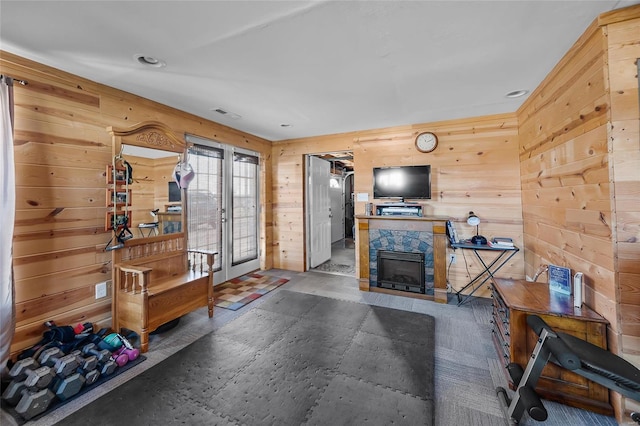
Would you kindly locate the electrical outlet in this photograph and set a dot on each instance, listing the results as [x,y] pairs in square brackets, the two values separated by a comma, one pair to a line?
[452,258]
[101,290]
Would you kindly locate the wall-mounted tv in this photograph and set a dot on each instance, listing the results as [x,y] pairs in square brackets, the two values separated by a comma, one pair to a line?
[174,192]
[404,182]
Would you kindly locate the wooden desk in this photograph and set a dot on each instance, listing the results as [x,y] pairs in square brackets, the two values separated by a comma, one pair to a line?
[513,300]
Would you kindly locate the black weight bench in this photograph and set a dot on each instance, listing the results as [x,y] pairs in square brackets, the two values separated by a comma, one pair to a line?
[576,355]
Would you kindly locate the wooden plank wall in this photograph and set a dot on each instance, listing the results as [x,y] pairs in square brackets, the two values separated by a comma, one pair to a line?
[475,167]
[288,160]
[623,42]
[61,152]
[566,193]
[580,171]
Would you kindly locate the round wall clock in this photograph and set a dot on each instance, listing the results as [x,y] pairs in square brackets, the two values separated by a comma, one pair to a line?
[426,142]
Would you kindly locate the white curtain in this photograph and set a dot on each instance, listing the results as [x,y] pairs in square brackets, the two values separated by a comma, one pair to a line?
[7,218]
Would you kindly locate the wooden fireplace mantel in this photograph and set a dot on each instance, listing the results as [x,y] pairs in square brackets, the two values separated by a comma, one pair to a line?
[436,225]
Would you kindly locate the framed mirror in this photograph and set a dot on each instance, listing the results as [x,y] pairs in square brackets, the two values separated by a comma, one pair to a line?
[156,208]
[156,204]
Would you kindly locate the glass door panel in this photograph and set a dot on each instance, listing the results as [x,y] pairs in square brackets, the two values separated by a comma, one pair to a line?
[223,206]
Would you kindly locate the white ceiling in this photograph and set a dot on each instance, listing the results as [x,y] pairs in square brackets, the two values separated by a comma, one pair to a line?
[321,66]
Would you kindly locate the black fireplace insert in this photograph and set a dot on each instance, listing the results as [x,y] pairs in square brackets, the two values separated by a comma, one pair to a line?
[401,271]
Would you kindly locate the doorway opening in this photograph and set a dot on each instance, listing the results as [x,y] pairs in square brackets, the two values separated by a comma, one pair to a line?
[329,207]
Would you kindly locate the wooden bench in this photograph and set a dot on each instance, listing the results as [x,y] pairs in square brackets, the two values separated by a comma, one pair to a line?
[156,280]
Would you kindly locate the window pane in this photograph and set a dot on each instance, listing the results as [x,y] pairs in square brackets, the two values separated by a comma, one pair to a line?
[245,208]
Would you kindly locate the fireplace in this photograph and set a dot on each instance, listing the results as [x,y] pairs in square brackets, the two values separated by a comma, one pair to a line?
[401,271]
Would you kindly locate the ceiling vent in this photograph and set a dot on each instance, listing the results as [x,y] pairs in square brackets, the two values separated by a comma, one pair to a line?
[231,115]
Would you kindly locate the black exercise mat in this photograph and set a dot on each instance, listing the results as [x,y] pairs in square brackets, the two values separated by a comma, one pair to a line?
[58,403]
[294,359]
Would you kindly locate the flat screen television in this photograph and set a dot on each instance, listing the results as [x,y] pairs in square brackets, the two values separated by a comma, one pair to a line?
[404,182]
[174,193]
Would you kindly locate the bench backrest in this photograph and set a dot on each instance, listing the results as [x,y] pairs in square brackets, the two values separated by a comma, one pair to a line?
[165,254]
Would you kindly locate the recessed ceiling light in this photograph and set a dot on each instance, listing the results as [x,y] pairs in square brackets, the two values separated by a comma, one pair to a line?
[516,93]
[150,61]
[286,125]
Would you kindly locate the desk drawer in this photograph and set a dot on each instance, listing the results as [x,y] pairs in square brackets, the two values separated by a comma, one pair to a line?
[498,302]
[500,330]
[502,347]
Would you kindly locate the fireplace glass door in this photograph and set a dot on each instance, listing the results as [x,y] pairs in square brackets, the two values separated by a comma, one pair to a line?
[401,271]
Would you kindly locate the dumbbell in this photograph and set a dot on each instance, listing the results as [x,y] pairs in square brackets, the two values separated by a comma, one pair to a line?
[85,363]
[125,352]
[107,368]
[123,355]
[106,365]
[26,374]
[33,403]
[102,355]
[21,368]
[68,381]
[62,365]
[66,387]
[13,392]
[28,369]
[129,350]
[91,377]
[120,357]
[39,379]
[87,367]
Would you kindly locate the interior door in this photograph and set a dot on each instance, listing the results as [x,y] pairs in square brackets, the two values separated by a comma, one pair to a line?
[319,208]
[336,194]
[223,206]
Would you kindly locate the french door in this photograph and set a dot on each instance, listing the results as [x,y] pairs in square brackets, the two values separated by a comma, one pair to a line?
[223,206]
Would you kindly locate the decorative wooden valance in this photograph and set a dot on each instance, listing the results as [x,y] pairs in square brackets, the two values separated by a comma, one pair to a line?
[148,134]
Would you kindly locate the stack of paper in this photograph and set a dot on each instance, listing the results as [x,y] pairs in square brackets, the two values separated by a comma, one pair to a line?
[503,242]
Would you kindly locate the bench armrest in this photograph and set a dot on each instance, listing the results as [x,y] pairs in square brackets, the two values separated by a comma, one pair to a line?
[195,263]
[132,277]
[202,251]
[133,269]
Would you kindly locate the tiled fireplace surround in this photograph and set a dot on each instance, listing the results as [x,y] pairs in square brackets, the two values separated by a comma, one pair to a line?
[401,241]
[403,234]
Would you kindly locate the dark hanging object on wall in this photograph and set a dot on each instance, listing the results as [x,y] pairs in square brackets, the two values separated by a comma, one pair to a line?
[9,81]
[638,77]
[129,171]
